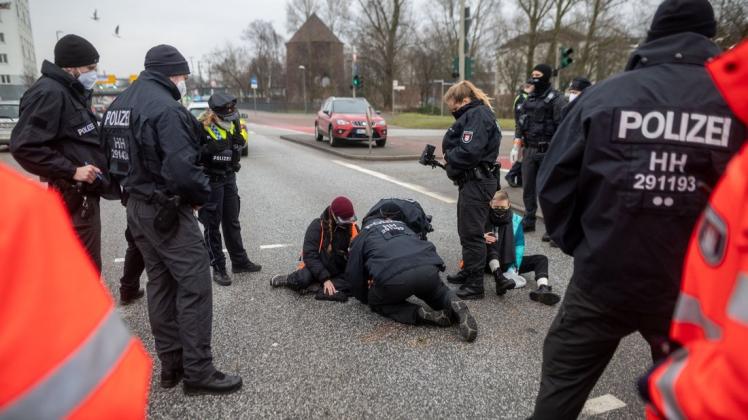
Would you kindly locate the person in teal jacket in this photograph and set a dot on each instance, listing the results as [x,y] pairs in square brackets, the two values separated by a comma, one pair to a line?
[505,240]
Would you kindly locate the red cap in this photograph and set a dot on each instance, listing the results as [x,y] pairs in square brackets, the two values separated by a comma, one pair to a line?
[342,210]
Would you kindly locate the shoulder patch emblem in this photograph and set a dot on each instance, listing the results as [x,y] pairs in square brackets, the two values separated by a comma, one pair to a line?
[712,237]
[467,136]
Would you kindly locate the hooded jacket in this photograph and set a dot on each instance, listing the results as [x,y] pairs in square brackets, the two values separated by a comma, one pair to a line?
[326,245]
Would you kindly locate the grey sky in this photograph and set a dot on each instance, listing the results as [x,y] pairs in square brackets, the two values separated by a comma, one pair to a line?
[193,26]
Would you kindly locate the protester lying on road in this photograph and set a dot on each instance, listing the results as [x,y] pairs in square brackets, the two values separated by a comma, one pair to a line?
[324,254]
[389,262]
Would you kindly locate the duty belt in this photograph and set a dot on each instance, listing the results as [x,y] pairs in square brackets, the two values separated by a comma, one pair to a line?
[541,146]
[477,173]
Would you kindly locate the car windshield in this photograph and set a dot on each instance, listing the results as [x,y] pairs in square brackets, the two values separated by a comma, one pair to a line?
[351,106]
[8,111]
[197,111]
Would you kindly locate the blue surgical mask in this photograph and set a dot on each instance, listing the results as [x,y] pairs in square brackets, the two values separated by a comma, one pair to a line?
[88,79]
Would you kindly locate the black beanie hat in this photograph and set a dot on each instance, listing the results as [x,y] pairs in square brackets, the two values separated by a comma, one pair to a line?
[74,51]
[545,69]
[166,60]
[580,83]
[676,16]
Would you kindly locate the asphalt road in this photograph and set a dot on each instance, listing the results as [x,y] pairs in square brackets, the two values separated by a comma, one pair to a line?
[301,358]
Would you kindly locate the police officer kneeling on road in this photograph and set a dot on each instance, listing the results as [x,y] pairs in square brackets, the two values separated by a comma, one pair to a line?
[57,137]
[470,149]
[624,182]
[389,262]
[220,155]
[153,144]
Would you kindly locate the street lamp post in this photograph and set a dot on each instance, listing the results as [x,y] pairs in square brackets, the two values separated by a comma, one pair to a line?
[303,85]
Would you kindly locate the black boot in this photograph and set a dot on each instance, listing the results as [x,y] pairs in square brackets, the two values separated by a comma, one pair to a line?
[470,292]
[459,278]
[246,268]
[546,237]
[438,318]
[171,377]
[217,383]
[528,226]
[467,327]
[545,295]
[502,283]
[220,276]
[126,298]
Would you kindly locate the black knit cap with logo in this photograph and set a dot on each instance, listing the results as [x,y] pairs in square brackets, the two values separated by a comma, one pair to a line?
[75,51]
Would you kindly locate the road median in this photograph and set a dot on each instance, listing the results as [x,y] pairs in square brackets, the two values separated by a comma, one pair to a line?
[393,151]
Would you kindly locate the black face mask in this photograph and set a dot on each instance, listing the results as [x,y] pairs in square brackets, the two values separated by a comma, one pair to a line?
[541,85]
[500,216]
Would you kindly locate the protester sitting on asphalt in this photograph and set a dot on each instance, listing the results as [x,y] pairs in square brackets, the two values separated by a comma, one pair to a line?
[505,240]
[389,262]
[325,253]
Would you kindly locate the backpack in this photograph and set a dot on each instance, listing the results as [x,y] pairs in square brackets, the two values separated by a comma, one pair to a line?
[412,215]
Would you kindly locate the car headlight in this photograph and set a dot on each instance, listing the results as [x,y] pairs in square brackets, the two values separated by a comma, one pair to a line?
[342,122]
[382,123]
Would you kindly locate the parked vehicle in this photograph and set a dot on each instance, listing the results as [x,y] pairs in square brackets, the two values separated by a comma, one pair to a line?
[198,108]
[8,120]
[343,120]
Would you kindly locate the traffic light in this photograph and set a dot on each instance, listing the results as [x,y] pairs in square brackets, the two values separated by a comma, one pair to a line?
[358,81]
[566,58]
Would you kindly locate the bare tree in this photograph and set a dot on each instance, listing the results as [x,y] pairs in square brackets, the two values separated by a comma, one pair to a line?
[732,22]
[266,46]
[560,9]
[231,65]
[535,11]
[383,26]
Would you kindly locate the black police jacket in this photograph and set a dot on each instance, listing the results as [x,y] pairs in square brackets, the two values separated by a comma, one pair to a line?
[383,249]
[539,116]
[56,130]
[473,139]
[153,142]
[630,169]
[325,251]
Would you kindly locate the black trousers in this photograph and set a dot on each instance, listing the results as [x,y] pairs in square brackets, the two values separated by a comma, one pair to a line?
[531,162]
[504,252]
[180,300]
[472,212]
[221,212]
[303,278]
[580,342]
[389,299]
[134,267]
[515,173]
[89,230]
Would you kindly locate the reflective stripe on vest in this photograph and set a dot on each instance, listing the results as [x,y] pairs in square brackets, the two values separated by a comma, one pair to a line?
[78,377]
[218,133]
[737,309]
[688,311]
[666,385]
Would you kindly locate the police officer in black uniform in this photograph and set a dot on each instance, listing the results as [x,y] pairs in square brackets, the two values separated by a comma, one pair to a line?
[220,154]
[153,144]
[624,182]
[540,116]
[389,262]
[470,149]
[57,137]
[514,176]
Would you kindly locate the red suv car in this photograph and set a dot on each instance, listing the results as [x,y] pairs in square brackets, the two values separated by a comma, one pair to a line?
[343,120]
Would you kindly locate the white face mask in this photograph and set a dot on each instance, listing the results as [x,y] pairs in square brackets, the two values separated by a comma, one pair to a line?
[182,87]
[573,96]
[88,79]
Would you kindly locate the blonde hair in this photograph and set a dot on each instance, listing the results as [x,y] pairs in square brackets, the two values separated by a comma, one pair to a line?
[208,117]
[501,195]
[465,89]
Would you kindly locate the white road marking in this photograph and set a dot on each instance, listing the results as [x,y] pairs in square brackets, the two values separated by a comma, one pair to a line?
[412,187]
[273,246]
[602,404]
[119,260]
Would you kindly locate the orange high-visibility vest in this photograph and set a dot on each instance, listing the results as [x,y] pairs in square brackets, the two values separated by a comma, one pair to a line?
[64,351]
[354,233]
[708,377]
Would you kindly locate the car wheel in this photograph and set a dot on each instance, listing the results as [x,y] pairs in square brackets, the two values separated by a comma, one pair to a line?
[317,134]
[333,141]
[381,143]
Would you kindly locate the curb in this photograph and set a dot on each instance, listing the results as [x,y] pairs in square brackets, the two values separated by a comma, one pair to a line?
[337,152]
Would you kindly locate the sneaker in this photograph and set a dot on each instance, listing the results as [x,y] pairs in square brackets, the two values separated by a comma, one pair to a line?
[217,383]
[544,294]
[519,281]
[467,327]
[438,318]
[248,268]
[279,280]
[221,277]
